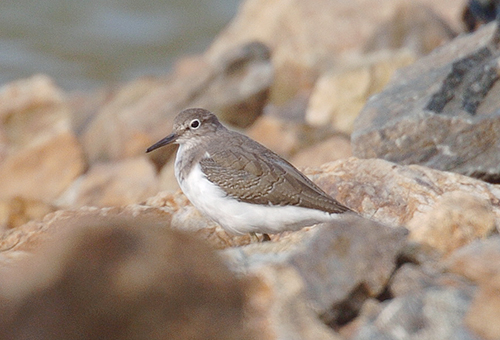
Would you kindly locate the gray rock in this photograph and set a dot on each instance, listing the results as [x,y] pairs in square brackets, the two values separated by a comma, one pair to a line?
[411,278]
[346,263]
[441,112]
[341,264]
[435,313]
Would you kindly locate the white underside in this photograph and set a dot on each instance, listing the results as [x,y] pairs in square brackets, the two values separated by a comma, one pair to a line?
[240,217]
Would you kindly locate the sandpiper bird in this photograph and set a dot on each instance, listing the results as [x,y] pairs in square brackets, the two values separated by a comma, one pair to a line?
[241,184]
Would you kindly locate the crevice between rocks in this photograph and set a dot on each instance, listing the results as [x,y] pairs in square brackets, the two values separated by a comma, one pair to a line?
[347,310]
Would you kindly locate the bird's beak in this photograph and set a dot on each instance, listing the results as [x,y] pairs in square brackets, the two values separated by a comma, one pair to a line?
[167,140]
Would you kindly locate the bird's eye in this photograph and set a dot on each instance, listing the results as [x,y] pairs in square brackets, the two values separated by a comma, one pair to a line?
[195,123]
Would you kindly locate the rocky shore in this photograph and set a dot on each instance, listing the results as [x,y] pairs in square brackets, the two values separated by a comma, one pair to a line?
[389,106]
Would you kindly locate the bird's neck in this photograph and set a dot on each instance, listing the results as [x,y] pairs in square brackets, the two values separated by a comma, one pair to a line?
[187,156]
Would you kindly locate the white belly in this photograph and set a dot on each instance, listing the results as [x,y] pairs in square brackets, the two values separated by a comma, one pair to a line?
[240,217]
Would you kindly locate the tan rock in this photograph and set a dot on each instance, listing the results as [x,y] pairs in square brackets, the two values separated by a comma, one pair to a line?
[32,107]
[482,316]
[138,278]
[332,149]
[307,36]
[285,136]
[339,95]
[267,129]
[395,194]
[24,240]
[480,262]
[41,171]
[167,180]
[234,86]
[278,307]
[18,211]
[85,105]
[456,219]
[114,129]
[415,26]
[5,213]
[392,194]
[40,155]
[33,110]
[113,184]
[240,86]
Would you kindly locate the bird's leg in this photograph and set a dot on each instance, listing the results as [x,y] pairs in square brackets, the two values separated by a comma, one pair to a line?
[254,237]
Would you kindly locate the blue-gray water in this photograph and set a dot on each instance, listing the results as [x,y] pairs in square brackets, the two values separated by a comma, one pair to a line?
[86,44]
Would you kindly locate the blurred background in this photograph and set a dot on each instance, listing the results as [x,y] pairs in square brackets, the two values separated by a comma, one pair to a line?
[85,44]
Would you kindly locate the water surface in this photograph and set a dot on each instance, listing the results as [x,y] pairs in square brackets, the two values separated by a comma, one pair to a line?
[86,44]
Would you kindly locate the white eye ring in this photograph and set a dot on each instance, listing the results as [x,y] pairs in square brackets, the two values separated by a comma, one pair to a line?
[195,123]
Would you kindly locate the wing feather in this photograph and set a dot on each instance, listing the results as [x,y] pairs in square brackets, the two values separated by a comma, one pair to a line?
[263,177]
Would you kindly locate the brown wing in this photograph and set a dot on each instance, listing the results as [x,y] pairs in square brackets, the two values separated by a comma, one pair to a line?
[262,177]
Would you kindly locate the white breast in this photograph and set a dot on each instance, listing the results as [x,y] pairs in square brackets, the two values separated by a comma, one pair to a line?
[240,217]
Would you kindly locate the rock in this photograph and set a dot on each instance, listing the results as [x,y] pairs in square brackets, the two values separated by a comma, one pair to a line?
[116,130]
[85,105]
[411,278]
[332,149]
[293,135]
[480,262]
[241,84]
[18,211]
[268,127]
[352,244]
[477,13]
[119,276]
[339,95]
[394,194]
[419,254]
[408,279]
[278,308]
[317,34]
[167,180]
[113,184]
[22,241]
[456,219]
[43,170]
[40,155]
[31,109]
[441,112]
[413,26]
[335,262]
[482,316]
[187,218]
[434,313]
[389,193]
[141,112]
